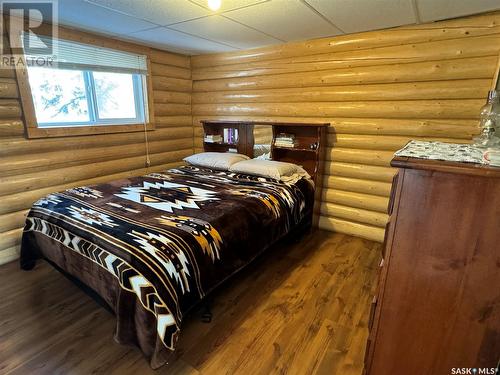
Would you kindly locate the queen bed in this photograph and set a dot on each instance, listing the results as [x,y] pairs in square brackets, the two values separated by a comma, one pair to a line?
[154,246]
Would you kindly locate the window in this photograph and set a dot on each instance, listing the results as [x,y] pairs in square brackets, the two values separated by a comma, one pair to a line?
[89,86]
[65,97]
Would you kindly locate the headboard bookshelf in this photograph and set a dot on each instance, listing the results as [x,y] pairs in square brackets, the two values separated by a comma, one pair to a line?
[233,136]
[306,147]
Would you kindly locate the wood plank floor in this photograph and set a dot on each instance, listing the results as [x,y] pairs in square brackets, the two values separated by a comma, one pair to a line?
[299,309]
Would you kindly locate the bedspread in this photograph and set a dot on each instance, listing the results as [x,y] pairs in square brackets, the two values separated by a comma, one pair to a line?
[154,246]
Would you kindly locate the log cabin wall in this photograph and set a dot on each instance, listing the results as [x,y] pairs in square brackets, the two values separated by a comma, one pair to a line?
[263,134]
[32,168]
[377,89]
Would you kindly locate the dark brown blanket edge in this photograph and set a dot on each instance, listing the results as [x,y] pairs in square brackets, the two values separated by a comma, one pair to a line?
[131,327]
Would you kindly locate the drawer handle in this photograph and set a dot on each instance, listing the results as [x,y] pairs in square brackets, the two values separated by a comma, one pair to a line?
[367,352]
[371,317]
[386,234]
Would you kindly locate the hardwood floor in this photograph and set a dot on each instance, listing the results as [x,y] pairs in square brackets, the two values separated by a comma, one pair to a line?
[299,309]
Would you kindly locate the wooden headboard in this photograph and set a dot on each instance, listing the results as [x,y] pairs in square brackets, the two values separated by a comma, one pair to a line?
[308,151]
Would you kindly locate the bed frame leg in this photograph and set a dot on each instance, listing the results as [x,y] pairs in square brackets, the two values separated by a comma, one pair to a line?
[28,264]
[206,315]
[304,228]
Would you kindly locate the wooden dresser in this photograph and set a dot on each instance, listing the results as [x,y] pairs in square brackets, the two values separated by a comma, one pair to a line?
[437,305]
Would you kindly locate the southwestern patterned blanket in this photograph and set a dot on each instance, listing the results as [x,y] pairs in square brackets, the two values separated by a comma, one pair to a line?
[154,246]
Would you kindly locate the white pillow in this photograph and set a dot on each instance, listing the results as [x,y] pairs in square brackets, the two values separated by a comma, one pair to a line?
[278,170]
[215,160]
[266,156]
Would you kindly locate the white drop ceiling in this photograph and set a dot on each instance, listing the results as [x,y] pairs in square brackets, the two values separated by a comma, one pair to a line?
[190,27]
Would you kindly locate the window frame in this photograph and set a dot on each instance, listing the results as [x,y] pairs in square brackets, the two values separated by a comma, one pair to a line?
[33,130]
[93,107]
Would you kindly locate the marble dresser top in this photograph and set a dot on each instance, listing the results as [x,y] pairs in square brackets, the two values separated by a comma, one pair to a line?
[463,153]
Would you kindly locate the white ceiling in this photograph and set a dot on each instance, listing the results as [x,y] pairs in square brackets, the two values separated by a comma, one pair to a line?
[189,26]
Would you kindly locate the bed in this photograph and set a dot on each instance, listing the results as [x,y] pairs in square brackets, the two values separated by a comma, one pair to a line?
[152,247]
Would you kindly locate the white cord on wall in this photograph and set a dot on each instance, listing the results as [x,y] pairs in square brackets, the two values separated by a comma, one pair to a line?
[148,160]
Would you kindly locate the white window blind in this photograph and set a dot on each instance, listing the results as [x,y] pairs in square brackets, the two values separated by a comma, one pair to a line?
[79,56]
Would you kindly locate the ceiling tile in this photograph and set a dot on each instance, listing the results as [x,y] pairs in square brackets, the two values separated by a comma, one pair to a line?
[300,22]
[162,37]
[230,4]
[198,30]
[361,15]
[432,10]
[160,12]
[220,29]
[80,14]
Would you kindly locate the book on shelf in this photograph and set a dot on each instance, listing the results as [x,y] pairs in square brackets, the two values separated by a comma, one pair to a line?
[285,140]
[285,144]
[230,135]
[285,137]
[213,138]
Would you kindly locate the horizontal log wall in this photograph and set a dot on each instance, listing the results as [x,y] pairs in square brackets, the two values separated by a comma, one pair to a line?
[263,135]
[32,168]
[377,89]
